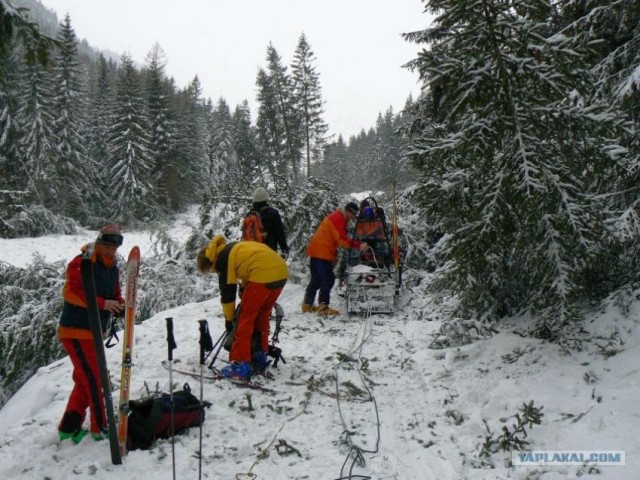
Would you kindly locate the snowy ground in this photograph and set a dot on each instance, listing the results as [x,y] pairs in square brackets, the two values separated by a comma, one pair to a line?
[20,252]
[412,412]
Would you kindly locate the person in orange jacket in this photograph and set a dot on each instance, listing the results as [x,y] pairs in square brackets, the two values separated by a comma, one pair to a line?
[263,274]
[323,253]
[75,334]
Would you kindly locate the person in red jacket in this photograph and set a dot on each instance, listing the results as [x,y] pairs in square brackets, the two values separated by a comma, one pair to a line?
[75,334]
[323,253]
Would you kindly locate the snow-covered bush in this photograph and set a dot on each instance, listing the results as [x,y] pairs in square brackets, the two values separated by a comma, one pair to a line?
[36,220]
[30,304]
[167,282]
[302,209]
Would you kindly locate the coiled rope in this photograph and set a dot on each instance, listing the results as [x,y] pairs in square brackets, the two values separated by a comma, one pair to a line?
[355,455]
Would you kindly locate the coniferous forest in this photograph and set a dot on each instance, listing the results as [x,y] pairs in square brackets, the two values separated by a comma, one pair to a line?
[90,138]
[516,168]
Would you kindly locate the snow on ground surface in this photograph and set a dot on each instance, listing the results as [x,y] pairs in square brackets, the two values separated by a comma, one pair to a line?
[411,412]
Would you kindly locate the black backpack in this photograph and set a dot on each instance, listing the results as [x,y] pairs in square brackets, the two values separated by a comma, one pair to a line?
[150,418]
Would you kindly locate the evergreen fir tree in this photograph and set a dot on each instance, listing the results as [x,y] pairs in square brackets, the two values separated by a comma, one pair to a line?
[611,32]
[251,166]
[12,175]
[513,155]
[35,118]
[76,180]
[130,191]
[223,166]
[307,97]
[163,144]
[278,123]
[333,162]
[269,127]
[99,119]
[359,167]
[192,142]
[387,154]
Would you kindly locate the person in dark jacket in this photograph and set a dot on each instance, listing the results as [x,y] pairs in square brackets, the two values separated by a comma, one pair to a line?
[271,221]
[75,334]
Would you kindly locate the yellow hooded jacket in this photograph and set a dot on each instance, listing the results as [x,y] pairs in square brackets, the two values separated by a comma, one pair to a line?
[243,262]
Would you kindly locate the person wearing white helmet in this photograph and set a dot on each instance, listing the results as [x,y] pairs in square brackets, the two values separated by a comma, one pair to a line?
[275,236]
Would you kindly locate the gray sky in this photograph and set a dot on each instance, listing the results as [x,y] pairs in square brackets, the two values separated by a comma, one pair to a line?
[357,44]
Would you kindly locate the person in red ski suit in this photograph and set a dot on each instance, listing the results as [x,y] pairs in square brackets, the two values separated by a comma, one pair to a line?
[75,334]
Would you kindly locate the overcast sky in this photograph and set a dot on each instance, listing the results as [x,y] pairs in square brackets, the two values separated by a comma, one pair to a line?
[357,44]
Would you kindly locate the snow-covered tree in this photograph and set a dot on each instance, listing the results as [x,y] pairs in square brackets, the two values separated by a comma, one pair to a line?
[245,145]
[307,98]
[162,129]
[72,168]
[99,118]
[277,122]
[611,31]
[11,170]
[29,300]
[387,156]
[130,169]
[514,155]
[35,119]
[334,158]
[223,162]
[191,140]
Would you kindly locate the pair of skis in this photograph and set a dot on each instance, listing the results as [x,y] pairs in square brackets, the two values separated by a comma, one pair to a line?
[117,434]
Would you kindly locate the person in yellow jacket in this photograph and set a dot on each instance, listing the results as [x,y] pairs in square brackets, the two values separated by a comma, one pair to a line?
[262,274]
[323,253]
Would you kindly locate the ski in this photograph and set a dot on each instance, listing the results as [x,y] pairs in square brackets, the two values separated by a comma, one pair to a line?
[93,312]
[214,375]
[133,267]
[251,384]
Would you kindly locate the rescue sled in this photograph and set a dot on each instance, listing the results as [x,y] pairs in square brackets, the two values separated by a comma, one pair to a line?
[372,278]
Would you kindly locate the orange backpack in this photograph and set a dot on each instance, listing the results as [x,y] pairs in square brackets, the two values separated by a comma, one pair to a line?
[252,228]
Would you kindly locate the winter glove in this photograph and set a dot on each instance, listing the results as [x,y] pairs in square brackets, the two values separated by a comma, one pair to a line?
[228,325]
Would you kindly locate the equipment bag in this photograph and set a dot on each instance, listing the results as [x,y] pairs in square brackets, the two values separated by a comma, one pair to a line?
[252,227]
[150,418]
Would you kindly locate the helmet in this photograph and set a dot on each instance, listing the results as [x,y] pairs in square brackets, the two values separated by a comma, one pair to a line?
[260,195]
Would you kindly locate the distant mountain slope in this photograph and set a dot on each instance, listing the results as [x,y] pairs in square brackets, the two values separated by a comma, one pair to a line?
[49,23]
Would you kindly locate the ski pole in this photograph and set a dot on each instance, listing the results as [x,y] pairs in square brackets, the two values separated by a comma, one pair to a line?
[206,344]
[279,316]
[219,344]
[171,344]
